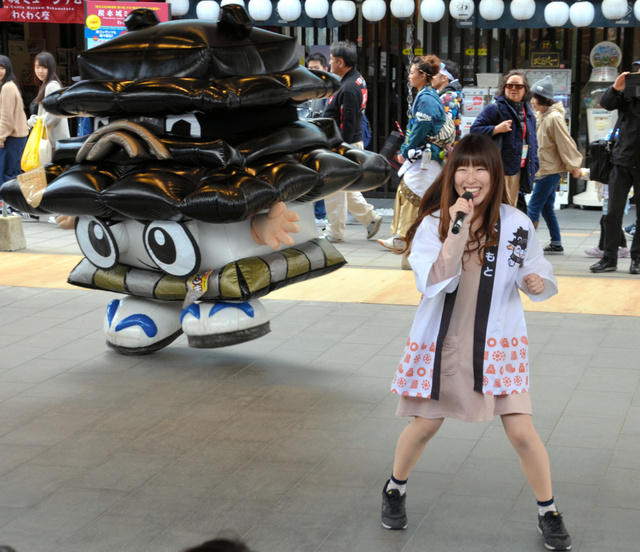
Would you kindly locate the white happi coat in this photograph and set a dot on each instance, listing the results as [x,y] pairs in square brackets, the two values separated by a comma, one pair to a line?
[501,359]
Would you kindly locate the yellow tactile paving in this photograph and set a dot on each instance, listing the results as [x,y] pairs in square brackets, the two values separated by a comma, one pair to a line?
[581,295]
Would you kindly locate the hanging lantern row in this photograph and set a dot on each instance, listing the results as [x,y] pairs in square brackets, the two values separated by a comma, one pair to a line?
[556,13]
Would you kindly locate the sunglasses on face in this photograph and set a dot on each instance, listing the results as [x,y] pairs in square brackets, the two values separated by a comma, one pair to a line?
[514,86]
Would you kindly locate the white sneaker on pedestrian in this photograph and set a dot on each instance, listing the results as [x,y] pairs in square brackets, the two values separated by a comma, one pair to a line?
[595,252]
[331,239]
[623,252]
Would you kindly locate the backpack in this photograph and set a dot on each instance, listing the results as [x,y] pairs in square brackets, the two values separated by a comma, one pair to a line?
[366,131]
[446,135]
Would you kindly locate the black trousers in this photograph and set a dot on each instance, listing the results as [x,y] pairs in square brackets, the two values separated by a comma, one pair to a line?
[622,179]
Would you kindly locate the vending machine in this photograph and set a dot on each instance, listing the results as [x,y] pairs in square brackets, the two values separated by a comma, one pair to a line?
[605,58]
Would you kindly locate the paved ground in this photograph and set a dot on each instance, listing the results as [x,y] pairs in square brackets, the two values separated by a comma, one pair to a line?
[287,440]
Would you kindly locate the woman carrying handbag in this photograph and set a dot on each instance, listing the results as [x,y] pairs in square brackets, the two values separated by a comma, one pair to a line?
[13,123]
[55,128]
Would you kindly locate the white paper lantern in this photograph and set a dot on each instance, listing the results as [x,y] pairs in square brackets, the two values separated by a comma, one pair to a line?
[614,9]
[556,14]
[402,9]
[260,10]
[491,10]
[522,9]
[343,10]
[374,10]
[581,14]
[432,11]
[636,9]
[316,9]
[461,9]
[289,10]
[179,7]
[209,10]
[227,2]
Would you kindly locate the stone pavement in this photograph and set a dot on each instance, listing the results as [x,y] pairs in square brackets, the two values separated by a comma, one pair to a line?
[287,440]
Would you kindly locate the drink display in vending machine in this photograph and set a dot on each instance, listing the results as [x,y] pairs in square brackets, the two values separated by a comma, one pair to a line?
[605,58]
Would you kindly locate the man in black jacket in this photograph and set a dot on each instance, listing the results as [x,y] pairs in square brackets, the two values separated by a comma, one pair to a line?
[346,108]
[626,173]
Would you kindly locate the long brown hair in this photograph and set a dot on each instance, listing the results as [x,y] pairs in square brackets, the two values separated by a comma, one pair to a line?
[477,150]
[45,59]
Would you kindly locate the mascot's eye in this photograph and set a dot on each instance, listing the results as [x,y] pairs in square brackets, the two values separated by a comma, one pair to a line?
[97,242]
[172,248]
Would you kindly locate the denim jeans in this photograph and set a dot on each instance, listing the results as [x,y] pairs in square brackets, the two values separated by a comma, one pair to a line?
[10,156]
[541,202]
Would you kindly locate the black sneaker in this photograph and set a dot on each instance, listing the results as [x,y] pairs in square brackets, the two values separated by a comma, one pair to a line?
[394,515]
[552,529]
[553,249]
[606,264]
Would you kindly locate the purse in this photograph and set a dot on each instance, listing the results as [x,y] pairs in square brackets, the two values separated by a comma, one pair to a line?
[600,165]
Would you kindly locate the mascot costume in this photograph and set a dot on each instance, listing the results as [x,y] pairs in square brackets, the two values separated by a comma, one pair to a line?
[193,195]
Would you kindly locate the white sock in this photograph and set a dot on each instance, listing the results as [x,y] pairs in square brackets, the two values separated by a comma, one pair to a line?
[402,487]
[542,510]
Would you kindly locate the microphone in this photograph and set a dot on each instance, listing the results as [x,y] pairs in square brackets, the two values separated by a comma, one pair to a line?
[460,216]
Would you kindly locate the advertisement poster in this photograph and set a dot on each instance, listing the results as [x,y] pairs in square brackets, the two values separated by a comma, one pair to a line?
[105,20]
[42,11]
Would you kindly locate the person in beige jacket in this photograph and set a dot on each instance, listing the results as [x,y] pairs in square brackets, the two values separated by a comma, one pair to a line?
[557,153]
[13,123]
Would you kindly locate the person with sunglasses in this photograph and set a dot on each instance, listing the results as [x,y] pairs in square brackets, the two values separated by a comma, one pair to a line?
[510,121]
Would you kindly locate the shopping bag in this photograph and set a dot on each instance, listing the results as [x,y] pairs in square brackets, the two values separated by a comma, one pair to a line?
[31,153]
[600,160]
[46,149]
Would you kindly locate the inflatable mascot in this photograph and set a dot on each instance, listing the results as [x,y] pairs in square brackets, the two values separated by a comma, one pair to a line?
[193,195]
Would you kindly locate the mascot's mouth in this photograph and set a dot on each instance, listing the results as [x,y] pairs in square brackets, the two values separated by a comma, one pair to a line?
[241,280]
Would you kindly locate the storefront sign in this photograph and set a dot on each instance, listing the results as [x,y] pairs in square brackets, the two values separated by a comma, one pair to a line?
[545,59]
[105,20]
[43,11]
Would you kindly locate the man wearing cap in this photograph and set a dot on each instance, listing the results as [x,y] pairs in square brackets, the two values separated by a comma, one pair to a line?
[625,158]
[557,153]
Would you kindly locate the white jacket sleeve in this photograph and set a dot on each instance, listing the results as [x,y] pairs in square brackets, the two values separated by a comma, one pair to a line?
[535,263]
[430,257]
[49,119]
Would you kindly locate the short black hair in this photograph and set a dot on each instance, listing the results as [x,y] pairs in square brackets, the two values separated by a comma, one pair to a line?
[542,100]
[345,50]
[452,67]
[317,56]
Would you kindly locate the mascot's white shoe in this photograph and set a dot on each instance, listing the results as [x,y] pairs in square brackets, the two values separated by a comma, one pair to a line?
[135,326]
[219,324]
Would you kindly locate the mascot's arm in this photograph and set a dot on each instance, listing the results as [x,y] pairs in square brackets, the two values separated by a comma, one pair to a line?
[275,227]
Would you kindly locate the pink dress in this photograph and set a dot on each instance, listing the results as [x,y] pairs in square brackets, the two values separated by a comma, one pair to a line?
[457,398]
